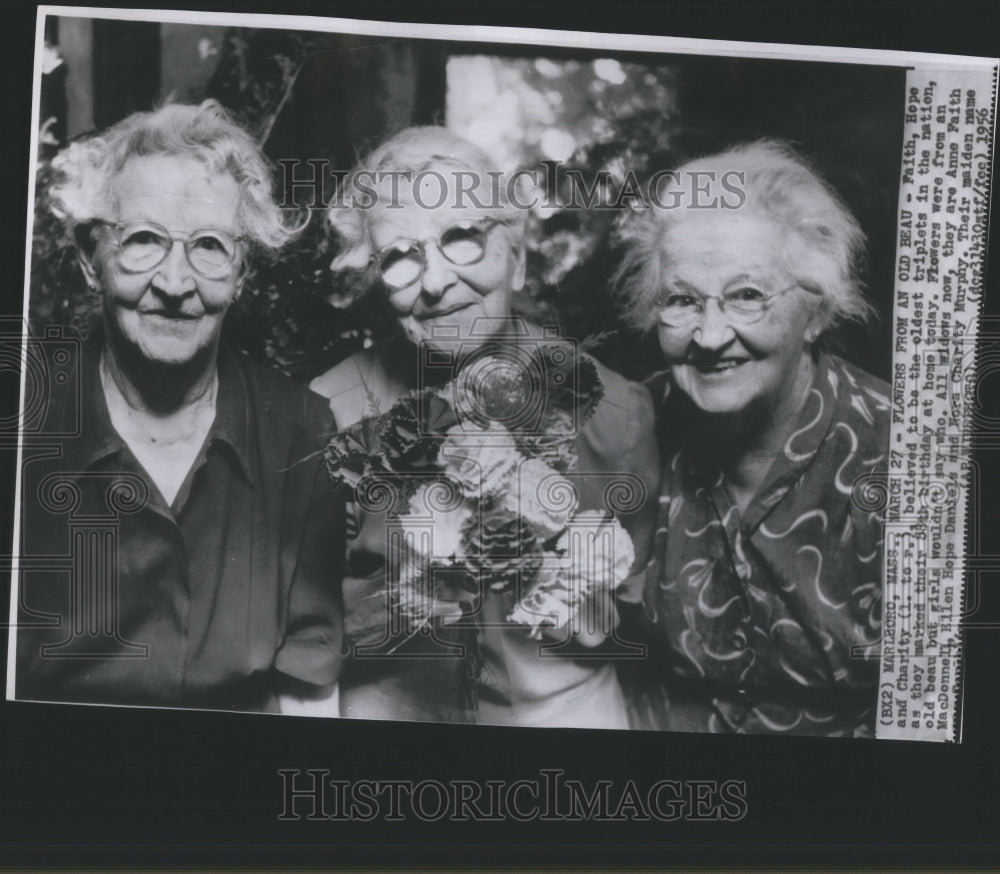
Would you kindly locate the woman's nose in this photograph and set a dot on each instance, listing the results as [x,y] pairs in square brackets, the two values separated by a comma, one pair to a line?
[439,274]
[714,330]
[175,277]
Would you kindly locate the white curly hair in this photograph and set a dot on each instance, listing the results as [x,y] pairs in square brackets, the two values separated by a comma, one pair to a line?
[419,150]
[824,248]
[86,169]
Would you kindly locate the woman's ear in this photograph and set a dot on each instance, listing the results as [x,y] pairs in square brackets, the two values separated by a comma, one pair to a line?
[88,270]
[819,320]
[241,277]
[86,253]
[520,267]
[814,332]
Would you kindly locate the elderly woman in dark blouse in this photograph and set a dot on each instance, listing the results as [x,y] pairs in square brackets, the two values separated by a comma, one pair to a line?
[185,544]
[763,597]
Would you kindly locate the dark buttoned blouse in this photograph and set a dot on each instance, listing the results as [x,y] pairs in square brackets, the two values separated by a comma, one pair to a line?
[218,601]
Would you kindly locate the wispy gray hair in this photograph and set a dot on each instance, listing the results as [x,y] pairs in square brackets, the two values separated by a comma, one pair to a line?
[414,150]
[86,169]
[825,246]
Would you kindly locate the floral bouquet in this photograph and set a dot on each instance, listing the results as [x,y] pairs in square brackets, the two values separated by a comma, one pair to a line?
[472,477]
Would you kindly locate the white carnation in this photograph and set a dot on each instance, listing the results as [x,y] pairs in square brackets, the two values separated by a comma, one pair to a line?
[596,556]
[433,533]
[543,497]
[481,460]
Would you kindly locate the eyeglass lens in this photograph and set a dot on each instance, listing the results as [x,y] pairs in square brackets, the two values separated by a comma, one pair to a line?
[144,246]
[741,305]
[402,264]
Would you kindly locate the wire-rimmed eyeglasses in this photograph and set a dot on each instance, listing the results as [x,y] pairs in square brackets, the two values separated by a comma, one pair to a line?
[403,262]
[145,245]
[741,306]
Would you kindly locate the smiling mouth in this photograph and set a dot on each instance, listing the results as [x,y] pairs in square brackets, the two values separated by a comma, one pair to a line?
[722,365]
[437,314]
[172,316]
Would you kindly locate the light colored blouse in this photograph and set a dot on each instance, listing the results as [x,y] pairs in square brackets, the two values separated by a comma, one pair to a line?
[523,681]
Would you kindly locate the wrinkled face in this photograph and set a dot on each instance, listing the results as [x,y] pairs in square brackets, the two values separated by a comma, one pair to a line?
[450,302]
[724,366]
[168,313]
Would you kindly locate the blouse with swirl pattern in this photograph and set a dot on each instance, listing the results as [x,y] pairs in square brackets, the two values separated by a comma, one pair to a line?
[769,619]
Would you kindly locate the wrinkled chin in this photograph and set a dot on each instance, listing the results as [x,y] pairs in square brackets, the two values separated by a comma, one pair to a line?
[148,350]
[733,395]
[718,403]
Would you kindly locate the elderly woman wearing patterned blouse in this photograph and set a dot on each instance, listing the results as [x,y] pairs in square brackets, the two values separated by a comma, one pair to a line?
[764,596]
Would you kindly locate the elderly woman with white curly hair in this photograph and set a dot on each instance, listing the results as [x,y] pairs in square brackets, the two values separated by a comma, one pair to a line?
[763,600]
[434,230]
[219,585]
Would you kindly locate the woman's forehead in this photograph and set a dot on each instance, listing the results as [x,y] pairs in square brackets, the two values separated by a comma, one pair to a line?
[408,219]
[175,190]
[722,243]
